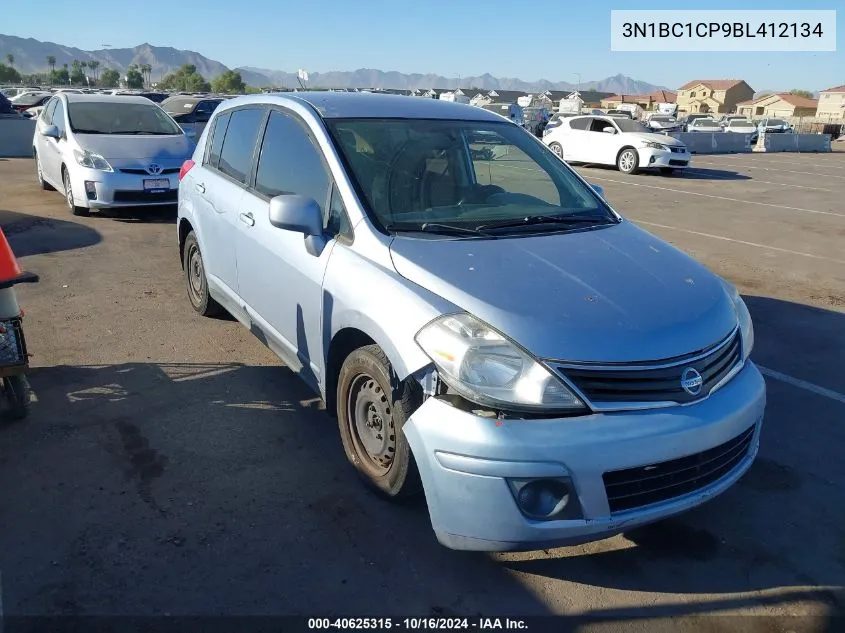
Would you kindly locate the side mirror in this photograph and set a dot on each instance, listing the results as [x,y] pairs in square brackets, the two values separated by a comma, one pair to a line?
[296,213]
[50,131]
[609,130]
[598,189]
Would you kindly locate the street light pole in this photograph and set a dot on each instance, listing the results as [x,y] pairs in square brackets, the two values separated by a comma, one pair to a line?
[578,89]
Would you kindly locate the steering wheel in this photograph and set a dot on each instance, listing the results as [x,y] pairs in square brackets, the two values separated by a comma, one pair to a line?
[479,194]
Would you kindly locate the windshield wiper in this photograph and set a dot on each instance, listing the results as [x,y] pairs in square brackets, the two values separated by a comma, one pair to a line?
[147,133]
[436,227]
[82,131]
[533,220]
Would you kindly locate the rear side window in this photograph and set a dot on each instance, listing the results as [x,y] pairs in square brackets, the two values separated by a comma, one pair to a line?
[579,124]
[236,154]
[217,135]
[290,163]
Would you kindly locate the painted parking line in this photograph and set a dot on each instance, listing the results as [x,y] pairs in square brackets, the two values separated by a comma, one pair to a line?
[775,160]
[707,195]
[802,384]
[785,171]
[751,180]
[743,242]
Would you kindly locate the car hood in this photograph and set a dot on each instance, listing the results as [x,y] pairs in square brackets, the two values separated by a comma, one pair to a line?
[615,294]
[654,138]
[143,148]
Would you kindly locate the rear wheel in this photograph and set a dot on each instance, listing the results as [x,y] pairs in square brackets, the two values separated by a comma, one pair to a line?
[71,205]
[195,279]
[628,161]
[557,149]
[371,411]
[18,396]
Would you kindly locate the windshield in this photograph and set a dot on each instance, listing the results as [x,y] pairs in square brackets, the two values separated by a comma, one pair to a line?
[179,105]
[662,119]
[705,123]
[776,122]
[628,125]
[420,174]
[31,99]
[739,122]
[105,117]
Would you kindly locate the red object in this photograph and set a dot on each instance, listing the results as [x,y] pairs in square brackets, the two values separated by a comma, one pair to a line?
[186,167]
[10,272]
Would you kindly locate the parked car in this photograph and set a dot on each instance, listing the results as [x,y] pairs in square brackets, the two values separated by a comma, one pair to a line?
[106,151]
[534,120]
[358,239]
[511,111]
[662,123]
[191,112]
[625,114]
[703,125]
[616,141]
[727,118]
[687,121]
[156,97]
[773,126]
[25,101]
[742,126]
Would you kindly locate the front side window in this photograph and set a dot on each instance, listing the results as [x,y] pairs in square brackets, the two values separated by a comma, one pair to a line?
[115,117]
[59,118]
[290,163]
[469,176]
[47,113]
[239,143]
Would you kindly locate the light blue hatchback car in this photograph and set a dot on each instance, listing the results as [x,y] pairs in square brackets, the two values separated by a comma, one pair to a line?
[485,327]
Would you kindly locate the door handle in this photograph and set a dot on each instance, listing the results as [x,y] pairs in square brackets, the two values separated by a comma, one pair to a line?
[247,218]
[200,187]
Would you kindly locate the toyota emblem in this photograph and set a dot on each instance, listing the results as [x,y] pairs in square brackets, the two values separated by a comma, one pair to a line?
[691,381]
[154,170]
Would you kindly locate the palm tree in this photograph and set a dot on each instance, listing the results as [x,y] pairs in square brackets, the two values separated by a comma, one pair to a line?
[11,59]
[51,62]
[94,65]
[146,71]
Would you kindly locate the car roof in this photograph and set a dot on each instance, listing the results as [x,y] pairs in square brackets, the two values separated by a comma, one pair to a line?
[101,98]
[358,105]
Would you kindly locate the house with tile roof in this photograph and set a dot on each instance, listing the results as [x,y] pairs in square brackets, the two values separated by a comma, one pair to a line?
[717,96]
[779,105]
[832,103]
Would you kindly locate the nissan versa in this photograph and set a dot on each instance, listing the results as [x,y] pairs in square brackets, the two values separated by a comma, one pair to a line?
[485,327]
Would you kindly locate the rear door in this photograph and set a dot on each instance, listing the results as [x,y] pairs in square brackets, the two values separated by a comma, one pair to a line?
[575,139]
[218,191]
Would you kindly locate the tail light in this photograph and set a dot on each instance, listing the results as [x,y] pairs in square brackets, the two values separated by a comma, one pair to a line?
[186,167]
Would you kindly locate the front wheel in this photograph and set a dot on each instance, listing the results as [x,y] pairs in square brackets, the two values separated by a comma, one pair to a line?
[371,411]
[628,161]
[557,149]
[18,396]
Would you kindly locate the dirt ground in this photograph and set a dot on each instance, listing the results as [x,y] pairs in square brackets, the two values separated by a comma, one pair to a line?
[172,465]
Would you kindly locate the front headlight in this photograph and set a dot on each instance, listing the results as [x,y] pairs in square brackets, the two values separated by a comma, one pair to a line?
[654,145]
[746,327]
[486,368]
[91,160]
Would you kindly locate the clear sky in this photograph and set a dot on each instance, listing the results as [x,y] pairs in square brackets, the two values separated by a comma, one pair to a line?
[541,40]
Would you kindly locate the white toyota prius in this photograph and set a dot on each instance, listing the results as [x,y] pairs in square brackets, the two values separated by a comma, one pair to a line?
[605,140]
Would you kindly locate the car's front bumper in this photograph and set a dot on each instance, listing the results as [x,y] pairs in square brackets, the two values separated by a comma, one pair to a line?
[465,462]
[119,189]
[650,157]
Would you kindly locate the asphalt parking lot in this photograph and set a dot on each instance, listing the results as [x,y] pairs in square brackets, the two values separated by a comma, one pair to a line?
[172,466]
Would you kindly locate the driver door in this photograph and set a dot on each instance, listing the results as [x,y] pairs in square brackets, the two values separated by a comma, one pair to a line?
[603,146]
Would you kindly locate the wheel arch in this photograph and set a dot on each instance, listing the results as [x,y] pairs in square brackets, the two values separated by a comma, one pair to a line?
[185,227]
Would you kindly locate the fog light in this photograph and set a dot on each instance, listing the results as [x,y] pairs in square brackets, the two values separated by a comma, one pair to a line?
[546,499]
[651,160]
[90,190]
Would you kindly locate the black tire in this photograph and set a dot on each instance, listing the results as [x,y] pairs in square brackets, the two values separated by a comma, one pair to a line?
[196,282]
[18,396]
[45,186]
[628,161]
[75,210]
[557,148]
[367,388]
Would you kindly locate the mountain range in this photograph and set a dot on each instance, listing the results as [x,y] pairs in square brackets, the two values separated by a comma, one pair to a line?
[30,56]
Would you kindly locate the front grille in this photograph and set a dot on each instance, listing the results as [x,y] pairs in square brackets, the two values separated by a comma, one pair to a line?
[141,197]
[645,485]
[656,382]
[678,150]
[678,163]
[144,172]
